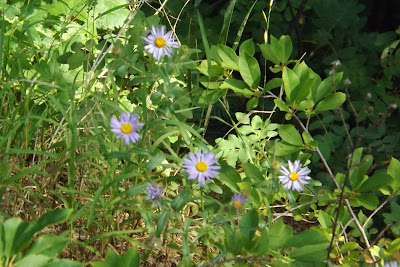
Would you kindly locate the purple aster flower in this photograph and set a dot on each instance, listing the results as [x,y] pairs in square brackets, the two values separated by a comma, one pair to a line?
[154,193]
[295,176]
[391,264]
[238,201]
[126,128]
[201,166]
[159,43]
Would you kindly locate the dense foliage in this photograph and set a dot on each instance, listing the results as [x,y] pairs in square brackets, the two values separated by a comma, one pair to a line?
[229,133]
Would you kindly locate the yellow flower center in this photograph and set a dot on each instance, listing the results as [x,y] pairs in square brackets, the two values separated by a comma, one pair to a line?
[159,42]
[126,128]
[294,176]
[237,204]
[201,166]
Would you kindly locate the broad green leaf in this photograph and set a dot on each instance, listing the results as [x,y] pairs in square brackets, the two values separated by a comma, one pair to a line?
[162,222]
[375,182]
[278,51]
[111,14]
[394,171]
[242,118]
[282,149]
[52,217]
[48,245]
[309,245]
[228,56]
[230,177]
[247,46]
[13,228]
[368,201]
[252,103]
[262,243]
[325,88]
[215,71]
[300,92]
[252,172]
[279,235]
[34,260]
[273,83]
[282,106]
[324,219]
[291,81]
[248,226]
[331,102]
[112,259]
[249,70]
[349,246]
[239,87]
[130,258]
[290,135]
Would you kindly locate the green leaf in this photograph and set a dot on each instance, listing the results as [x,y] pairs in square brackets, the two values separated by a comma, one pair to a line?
[239,87]
[130,258]
[282,106]
[242,118]
[277,51]
[136,189]
[375,182]
[332,101]
[215,71]
[394,171]
[325,87]
[289,134]
[273,83]
[230,177]
[279,235]
[247,46]
[252,103]
[282,149]
[181,199]
[111,14]
[12,230]
[309,245]
[252,172]
[162,222]
[394,216]
[249,70]
[227,21]
[112,259]
[248,226]
[306,137]
[48,245]
[52,217]
[349,246]
[34,260]
[229,58]
[291,81]
[368,201]
[324,219]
